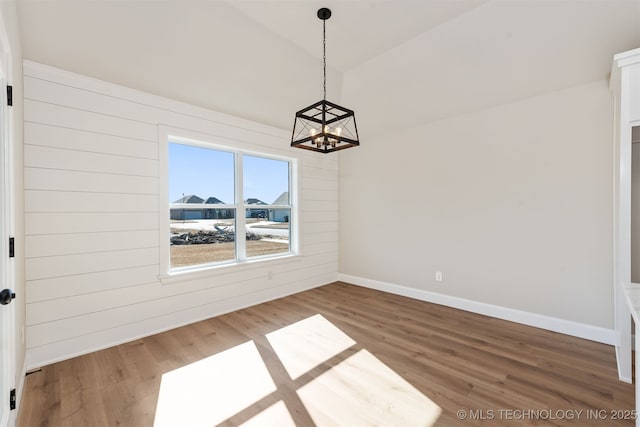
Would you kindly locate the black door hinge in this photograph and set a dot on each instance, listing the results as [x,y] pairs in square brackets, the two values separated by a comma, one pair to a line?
[12,247]
[12,399]
[9,95]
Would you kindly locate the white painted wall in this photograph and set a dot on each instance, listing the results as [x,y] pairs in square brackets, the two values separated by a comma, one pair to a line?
[512,204]
[92,214]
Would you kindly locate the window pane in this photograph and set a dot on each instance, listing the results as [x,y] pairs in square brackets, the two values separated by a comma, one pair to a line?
[266,181]
[200,175]
[203,241]
[199,179]
[268,235]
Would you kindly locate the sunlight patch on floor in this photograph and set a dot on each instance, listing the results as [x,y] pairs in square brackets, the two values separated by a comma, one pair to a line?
[211,390]
[355,389]
[308,343]
[363,391]
[275,415]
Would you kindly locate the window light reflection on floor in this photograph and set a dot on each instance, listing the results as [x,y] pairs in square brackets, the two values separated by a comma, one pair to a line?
[275,415]
[308,343]
[358,390]
[363,391]
[209,391]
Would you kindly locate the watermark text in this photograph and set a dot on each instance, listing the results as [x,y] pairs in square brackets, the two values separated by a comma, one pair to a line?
[545,414]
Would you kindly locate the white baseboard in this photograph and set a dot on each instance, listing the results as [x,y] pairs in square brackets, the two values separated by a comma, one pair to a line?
[567,327]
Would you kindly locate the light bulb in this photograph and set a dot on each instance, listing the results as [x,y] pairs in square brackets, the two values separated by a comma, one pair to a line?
[314,140]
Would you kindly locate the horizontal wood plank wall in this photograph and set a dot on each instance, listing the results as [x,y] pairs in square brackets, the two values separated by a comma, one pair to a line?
[92,217]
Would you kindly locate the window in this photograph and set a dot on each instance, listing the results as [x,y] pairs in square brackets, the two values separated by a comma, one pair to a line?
[226,206]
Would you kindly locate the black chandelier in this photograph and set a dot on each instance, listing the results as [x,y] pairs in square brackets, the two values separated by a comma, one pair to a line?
[324,126]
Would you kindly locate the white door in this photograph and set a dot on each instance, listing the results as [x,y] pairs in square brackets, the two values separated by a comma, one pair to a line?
[7,308]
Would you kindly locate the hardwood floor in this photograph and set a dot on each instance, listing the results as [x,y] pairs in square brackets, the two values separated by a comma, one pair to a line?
[478,370]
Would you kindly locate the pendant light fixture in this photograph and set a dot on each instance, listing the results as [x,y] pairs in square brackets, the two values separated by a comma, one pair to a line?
[324,126]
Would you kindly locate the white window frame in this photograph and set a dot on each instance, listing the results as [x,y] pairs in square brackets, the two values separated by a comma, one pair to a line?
[169,275]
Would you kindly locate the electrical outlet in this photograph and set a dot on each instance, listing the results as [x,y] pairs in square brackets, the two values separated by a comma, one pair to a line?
[270,275]
[438,276]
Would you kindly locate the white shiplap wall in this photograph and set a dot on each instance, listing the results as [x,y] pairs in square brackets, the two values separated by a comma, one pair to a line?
[92,217]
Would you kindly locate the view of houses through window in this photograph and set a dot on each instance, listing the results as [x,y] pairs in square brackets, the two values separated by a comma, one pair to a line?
[226,206]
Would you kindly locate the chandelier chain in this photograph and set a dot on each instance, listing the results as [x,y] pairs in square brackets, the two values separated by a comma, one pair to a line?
[324,58]
[323,126]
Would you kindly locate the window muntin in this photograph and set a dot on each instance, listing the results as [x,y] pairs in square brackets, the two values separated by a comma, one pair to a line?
[209,188]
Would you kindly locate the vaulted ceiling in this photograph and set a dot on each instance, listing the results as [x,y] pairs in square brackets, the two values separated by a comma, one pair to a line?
[397,63]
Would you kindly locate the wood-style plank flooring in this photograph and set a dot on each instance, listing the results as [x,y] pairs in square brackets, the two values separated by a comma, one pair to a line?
[490,371]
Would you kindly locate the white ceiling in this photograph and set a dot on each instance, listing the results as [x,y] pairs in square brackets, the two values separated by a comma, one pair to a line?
[397,63]
[358,30]
[498,53]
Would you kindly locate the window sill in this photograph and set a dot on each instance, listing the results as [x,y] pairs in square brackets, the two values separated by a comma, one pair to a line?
[216,270]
